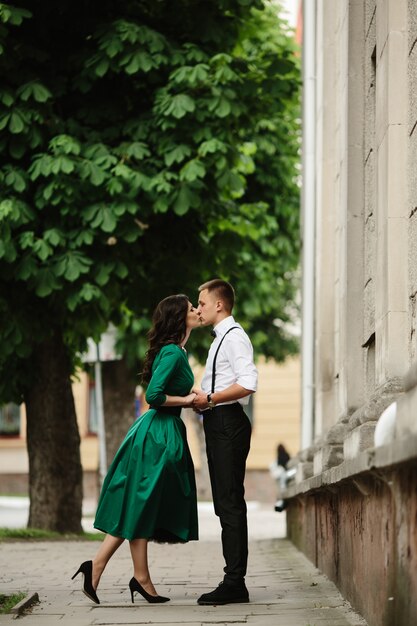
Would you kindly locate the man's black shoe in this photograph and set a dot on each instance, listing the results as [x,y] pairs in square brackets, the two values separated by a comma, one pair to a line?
[225,594]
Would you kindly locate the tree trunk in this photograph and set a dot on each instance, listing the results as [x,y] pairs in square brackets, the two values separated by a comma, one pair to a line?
[119,384]
[55,472]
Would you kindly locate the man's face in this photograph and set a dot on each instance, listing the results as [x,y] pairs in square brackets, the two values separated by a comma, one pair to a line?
[208,305]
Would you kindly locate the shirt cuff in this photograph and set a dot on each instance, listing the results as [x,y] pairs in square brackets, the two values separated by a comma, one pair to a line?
[248,382]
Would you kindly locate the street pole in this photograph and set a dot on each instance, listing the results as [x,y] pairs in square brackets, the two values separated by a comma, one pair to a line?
[100,418]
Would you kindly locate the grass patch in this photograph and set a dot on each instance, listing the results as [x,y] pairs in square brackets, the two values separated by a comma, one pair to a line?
[8,602]
[46,535]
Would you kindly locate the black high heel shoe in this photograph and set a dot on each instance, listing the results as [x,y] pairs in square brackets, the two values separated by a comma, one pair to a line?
[135,586]
[86,568]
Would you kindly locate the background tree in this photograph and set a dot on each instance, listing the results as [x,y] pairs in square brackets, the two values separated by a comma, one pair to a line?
[145,147]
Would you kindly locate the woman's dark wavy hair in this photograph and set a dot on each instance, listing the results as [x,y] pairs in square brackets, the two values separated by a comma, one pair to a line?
[168,326]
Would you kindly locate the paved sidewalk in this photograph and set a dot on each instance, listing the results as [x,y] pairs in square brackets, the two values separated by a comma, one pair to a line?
[285,589]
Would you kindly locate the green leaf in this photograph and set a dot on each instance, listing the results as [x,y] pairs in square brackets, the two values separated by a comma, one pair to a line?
[220,106]
[6,209]
[93,172]
[13,15]
[138,150]
[42,249]
[179,106]
[26,239]
[177,154]
[6,97]
[15,211]
[16,123]
[65,144]
[83,238]
[4,120]
[53,236]
[46,282]
[89,292]
[112,47]
[41,166]
[102,67]
[71,265]
[139,61]
[15,180]
[186,199]
[192,170]
[27,268]
[232,182]
[73,300]
[103,275]
[121,270]
[191,75]
[161,204]
[101,216]
[34,90]
[114,186]
[211,146]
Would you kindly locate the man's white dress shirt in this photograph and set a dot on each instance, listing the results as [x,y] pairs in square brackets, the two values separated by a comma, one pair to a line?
[234,363]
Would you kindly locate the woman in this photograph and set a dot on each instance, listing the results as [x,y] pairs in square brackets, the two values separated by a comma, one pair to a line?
[149,493]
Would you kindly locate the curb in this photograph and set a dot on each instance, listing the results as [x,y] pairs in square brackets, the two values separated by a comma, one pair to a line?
[26,603]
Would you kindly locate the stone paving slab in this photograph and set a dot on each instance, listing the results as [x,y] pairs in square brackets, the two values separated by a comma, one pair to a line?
[285,589]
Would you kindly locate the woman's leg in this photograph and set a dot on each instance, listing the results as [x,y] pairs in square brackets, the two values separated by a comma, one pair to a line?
[108,547]
[139,552]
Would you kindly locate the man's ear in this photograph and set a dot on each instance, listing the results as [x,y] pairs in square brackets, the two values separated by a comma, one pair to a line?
[219,305]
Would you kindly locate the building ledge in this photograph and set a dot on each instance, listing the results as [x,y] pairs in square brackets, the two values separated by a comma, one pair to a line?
[399,451]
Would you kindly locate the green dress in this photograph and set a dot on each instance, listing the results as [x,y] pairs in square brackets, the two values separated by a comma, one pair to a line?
[150,490]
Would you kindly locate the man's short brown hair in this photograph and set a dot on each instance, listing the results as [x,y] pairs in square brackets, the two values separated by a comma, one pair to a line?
[223,291]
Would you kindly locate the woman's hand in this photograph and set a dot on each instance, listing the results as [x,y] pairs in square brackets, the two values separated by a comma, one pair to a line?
[188,400]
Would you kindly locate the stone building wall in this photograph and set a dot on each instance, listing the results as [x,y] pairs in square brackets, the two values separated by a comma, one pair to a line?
[352,505]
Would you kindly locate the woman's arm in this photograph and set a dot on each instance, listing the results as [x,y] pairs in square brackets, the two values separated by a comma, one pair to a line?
[185,401]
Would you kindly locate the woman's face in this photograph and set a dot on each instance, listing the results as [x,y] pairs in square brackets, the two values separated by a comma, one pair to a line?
[193,319]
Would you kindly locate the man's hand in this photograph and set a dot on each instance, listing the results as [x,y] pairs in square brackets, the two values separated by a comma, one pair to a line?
[200,400]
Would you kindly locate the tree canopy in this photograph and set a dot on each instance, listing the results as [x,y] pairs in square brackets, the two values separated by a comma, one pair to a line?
[145,147]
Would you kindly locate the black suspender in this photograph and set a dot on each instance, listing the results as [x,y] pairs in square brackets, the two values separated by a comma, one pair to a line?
[213,375]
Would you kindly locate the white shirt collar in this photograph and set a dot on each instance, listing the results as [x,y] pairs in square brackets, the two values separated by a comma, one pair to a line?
[224,325]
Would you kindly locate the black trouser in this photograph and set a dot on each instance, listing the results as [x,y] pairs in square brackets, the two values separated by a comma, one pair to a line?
[228,431]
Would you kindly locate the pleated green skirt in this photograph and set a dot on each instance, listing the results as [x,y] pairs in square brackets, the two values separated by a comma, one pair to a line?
[150,490]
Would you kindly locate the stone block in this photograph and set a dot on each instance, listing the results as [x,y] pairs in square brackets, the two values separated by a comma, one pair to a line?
[412,89]
[327,457]
[337,434]
[412,23]
[307,454]
[356,418]
[410,380]
[304,471]
[382,28]
[359,440]
[397,72]
[406,423]
[397,142]
[370,9]
[412,174]
[378,402]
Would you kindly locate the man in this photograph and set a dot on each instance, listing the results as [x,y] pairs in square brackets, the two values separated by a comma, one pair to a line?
[229,379]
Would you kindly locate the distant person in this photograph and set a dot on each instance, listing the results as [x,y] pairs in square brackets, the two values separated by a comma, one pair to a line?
[229,379]
[282,456]
[278,470]
[149,493]
[138,401]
